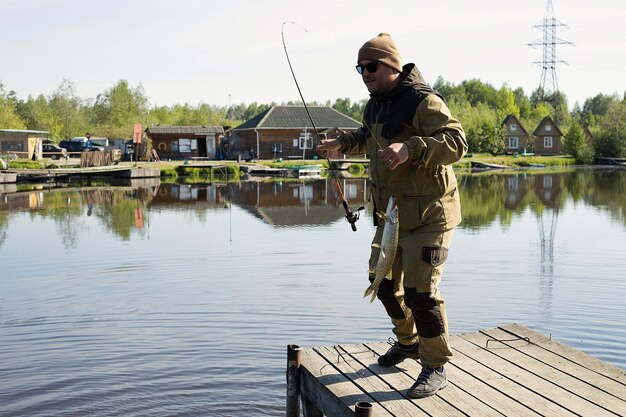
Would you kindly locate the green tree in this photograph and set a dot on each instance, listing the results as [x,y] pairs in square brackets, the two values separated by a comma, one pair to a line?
[450,91]
[611,138]
[39,115]
[9,117]
[559,113]
[522,102]
[483,127]
[595,108]
[354,110]
[576,145]
[68,109]
[119,108]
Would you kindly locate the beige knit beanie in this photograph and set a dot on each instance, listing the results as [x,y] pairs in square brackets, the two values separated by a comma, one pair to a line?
[381,48]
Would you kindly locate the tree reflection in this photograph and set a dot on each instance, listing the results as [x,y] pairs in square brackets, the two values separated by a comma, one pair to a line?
[486,198]
[498,196]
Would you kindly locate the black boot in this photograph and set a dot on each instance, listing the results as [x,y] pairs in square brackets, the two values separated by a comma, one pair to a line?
[397,354]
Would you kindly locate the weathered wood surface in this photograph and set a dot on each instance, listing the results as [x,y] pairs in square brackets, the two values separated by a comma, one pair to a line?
[8,177]
[118,171]
[506,371]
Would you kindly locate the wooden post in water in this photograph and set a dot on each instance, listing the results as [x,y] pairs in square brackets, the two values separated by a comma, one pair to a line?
[294,359]
[363,409]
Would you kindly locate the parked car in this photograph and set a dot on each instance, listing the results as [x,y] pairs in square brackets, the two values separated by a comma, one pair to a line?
[52,151]
[77,146]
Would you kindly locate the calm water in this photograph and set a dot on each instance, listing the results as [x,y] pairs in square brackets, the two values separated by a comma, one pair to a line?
[148,299]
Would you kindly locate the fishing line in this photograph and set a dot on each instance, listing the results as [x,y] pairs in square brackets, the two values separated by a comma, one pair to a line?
[351,216]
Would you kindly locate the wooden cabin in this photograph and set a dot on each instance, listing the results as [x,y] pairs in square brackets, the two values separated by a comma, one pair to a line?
[548,188]
[26,144]
[186,142]
[287,132]
[516,137]
[548,138]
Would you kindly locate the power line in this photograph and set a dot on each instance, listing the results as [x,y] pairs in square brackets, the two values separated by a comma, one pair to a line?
[548,85]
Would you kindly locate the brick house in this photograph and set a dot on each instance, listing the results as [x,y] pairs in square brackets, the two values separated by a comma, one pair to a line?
[516,137]
[286,132]
[548,138]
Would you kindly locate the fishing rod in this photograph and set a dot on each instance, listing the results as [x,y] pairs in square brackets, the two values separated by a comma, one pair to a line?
[351,216]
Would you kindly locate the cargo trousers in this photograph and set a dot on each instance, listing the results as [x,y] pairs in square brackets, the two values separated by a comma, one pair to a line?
[412,298]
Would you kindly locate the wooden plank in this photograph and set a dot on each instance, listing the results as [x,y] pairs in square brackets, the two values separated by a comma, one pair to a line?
[472,360]
[531,379]
[477,394]
[493,372]
[327,387]
[586,361]
[452,400]
[383,393]
[598,388]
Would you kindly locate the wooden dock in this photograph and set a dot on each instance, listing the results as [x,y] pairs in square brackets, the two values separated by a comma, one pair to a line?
[115,171]
[506,371]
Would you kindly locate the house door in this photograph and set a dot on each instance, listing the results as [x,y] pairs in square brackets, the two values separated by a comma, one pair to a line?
[210,147]
[202,148]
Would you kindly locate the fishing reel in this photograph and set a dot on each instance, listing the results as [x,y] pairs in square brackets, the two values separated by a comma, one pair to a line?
[352,216]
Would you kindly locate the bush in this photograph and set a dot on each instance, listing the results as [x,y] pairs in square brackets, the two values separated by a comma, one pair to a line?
[169,173]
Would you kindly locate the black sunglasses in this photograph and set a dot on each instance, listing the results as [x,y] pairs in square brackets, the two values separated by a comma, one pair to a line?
[370,67]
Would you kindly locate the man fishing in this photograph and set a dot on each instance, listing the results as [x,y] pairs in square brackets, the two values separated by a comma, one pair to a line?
[411,139]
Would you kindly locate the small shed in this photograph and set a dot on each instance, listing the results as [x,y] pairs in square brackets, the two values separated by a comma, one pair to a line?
[183,142]
[548,138]
[287,132]
[516,137]
[22,143]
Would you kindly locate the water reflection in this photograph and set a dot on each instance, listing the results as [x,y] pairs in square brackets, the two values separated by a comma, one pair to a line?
[124,208]
[157,310]
[500,196]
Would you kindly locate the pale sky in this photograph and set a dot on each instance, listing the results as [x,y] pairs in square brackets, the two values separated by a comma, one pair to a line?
[221,52]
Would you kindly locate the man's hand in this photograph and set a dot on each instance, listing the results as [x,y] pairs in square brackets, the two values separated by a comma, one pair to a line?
[326,146]
[394,154]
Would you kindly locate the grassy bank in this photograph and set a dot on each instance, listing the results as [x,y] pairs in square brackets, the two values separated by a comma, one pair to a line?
[179,168]
[516,161]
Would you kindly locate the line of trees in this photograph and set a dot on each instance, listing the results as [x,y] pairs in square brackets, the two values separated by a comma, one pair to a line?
[480,107]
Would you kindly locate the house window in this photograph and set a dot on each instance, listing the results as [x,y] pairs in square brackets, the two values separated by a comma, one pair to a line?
[548,128]
[513,142]
[295,143]
[547,142]
[547,181]
[306,141]
[11,145]
[513,127]
[351,190]
[184,145]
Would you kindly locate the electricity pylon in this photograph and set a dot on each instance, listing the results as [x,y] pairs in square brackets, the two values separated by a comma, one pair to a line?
[548,86]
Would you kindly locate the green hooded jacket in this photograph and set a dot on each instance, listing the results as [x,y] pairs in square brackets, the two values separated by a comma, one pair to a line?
[425,186]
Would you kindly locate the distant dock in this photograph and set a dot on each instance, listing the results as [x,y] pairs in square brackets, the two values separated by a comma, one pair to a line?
[506,371]
[60,174]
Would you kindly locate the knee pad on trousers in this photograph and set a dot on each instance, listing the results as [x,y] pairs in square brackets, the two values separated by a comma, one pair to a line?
[426,312]
[386,296]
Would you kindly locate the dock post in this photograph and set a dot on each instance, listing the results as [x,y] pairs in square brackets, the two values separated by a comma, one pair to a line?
[294,360]
[363,409]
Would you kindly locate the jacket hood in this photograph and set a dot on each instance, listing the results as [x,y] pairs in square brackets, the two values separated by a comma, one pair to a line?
[411,77]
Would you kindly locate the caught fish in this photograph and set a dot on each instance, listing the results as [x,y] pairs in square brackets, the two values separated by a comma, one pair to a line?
[388,247]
